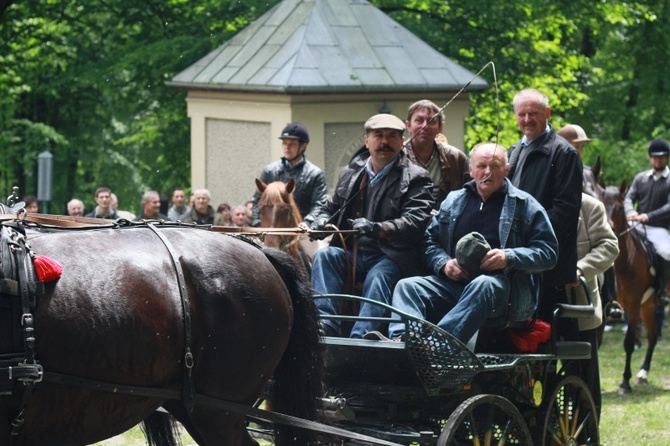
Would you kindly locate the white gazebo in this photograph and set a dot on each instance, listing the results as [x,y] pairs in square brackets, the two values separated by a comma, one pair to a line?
[329,64]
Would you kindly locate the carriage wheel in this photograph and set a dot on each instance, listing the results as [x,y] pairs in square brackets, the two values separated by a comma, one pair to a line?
[485,420]
[569,416]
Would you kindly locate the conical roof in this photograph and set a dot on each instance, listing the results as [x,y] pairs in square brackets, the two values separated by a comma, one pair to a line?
[326,46]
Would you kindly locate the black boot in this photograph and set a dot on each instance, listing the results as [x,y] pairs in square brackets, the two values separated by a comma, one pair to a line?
[613,310]
[662,276]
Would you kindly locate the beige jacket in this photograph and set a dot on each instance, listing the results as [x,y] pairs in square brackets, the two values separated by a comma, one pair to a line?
[597,248]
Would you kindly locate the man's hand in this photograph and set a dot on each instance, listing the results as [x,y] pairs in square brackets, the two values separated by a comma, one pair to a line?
[454,271]
[641,218]
[365,227]
[494,260]
[318,225]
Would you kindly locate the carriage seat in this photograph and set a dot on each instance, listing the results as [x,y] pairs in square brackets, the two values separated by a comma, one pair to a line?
[490,341]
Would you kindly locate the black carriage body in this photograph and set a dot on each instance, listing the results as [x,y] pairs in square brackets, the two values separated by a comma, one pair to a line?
[410,392]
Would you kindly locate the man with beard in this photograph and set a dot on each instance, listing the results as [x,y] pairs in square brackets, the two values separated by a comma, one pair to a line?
[387,200]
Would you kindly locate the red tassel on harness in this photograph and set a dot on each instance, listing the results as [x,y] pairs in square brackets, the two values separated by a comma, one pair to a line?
[529,341]
[47,269]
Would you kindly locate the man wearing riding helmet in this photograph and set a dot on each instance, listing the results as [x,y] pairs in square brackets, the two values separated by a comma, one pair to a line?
[310,182]
[651,192]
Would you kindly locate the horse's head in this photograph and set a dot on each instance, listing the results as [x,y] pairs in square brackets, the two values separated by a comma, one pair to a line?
[613,198]
[277,209]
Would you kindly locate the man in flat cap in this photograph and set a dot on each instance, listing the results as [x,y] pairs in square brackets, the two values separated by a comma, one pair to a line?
[310,182]
[387,200]
[470,282]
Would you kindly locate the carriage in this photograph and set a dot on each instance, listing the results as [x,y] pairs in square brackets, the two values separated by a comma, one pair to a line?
[430,389]
[426,390]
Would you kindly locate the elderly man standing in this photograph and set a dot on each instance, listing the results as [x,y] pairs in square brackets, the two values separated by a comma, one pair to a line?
[310,182]
[201,212]
[75,208]
[151,205]
[387,199]
[546,166]
[519,244]
[447,165]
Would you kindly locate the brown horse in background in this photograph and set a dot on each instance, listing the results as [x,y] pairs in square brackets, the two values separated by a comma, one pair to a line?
[137,306]
[635,284]
[277,209]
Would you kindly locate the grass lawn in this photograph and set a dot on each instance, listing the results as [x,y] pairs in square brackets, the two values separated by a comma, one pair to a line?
[640,418]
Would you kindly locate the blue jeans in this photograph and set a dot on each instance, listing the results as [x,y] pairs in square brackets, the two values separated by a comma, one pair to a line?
[328,275]
[460,308]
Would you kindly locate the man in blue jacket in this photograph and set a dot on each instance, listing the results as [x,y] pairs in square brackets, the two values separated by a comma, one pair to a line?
[522,245]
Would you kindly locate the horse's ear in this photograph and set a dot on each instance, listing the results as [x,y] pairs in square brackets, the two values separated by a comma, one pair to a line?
[290,185]
[596,168]
[261,186]
[623,188]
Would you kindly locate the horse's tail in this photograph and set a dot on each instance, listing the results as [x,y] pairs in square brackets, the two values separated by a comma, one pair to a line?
[298,379]
[161,429]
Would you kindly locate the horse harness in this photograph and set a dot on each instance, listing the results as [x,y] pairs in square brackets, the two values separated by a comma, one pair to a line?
[19,291]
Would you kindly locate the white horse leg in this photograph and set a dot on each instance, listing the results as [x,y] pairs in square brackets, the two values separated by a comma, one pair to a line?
[641,377]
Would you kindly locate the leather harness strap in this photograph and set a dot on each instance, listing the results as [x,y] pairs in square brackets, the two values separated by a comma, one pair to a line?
[188,390]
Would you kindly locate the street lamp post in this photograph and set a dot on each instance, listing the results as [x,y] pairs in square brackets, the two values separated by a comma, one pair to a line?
[45,161]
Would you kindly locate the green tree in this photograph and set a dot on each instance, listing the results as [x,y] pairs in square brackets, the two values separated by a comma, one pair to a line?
[86,80]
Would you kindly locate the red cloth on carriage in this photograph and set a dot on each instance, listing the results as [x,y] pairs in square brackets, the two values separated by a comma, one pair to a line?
[529,340]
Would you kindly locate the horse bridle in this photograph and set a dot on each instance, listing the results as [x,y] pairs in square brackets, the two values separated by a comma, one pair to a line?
[286,241]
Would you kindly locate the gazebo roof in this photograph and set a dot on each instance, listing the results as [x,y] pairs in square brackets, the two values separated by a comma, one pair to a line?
[326,46]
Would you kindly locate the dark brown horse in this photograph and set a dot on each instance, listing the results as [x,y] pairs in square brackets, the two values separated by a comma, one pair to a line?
[635,284]
[116,315]
[592,184]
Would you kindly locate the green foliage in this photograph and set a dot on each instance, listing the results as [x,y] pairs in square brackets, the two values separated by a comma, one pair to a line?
[86,80]
[600,63]
[90,77]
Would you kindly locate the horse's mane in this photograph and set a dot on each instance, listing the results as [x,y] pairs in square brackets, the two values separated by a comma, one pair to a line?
[275,194]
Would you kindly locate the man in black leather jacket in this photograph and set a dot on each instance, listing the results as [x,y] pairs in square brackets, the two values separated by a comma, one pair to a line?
[310,182]
[388,200]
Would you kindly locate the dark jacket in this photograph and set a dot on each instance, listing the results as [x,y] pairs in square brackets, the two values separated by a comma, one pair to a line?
[95,213]
[552,173]
[159,216]
[310,186]
[198,218]
[403,202]
[651,196]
